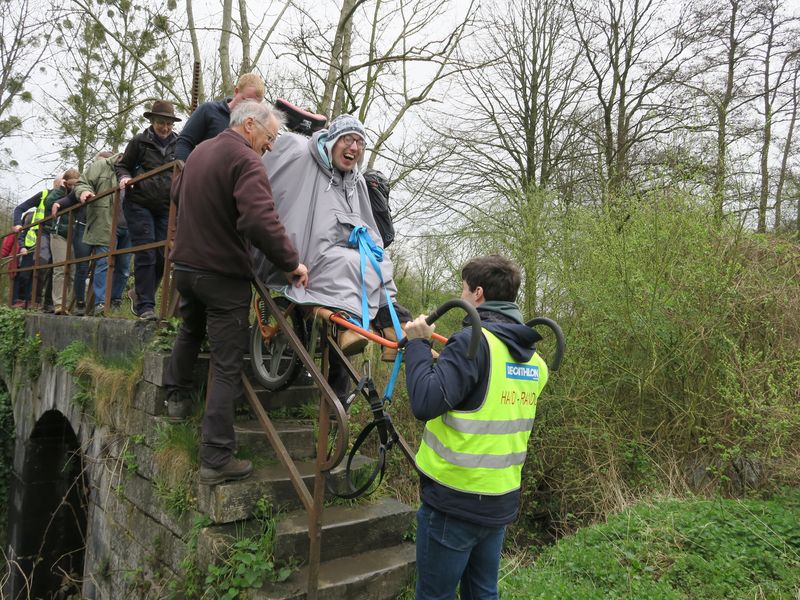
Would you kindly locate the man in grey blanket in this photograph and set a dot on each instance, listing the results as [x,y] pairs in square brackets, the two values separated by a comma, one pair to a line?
[323,202]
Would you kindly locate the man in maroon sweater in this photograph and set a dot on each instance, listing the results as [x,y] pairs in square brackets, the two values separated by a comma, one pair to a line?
[224,203]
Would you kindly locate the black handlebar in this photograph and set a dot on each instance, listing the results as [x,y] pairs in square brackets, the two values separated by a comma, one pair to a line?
[560,343]
[474,318]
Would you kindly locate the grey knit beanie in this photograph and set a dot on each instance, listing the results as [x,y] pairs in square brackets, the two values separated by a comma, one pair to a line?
[342,125]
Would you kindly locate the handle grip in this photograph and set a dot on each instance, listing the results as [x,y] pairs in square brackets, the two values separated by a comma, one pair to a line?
[560,342]
[474,318]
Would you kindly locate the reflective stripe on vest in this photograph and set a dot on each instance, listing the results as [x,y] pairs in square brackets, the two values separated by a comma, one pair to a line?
[482,451]
[38,215]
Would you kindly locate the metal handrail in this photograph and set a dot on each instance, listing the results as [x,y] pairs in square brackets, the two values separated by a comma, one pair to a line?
[329,406]
[112,252]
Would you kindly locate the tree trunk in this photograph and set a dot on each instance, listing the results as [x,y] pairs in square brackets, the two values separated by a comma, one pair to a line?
[195,48]
[787,147]
[334,68]
[721,166]
[247,62]
[225,46]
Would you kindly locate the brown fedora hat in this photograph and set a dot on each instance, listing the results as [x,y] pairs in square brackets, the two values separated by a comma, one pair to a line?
[162,108]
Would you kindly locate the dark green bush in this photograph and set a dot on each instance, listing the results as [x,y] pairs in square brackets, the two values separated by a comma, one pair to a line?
[682,371]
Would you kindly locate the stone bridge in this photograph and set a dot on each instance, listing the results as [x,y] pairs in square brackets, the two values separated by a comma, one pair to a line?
[93,509]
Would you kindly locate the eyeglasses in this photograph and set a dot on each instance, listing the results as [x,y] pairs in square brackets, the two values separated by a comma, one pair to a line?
[166,122]
[350,138]
[270,138]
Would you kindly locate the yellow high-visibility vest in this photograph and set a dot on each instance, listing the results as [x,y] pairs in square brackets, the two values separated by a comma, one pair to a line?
[482,451]
[38,215]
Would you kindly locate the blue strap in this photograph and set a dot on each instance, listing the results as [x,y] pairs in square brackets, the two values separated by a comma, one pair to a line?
[368,249]
[387,393]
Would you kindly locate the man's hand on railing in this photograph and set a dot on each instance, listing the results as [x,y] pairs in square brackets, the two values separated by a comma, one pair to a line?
[86,195]
[23,251]
[298,277]
[54,210]
[123,182]
[17,228]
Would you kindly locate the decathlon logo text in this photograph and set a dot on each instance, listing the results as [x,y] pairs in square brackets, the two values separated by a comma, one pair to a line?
[515,371]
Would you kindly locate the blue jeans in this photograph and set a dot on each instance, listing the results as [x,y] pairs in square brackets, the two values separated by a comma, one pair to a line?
[80,250]
[122,263]
[146,226]
[450,550]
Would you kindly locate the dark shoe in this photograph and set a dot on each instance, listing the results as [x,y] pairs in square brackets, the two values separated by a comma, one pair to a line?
[80,308]
[116,302]
[48,309]
[148,315]
[179,407]
[132,298]
[351,343]
[233,471]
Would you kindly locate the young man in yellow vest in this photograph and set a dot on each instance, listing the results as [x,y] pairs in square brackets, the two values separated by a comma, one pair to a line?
[478,417]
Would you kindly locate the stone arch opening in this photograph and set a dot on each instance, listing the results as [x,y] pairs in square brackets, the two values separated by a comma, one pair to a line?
[47,512]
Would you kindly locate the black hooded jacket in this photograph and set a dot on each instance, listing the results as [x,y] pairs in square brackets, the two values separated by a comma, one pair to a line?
[144,153]
[455,382]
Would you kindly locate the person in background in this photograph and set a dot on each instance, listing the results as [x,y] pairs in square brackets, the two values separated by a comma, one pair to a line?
[99,177]
[11,252]
[224,206]
[478,418]
[58,233]
[44,277]
[146,204]
[212,118]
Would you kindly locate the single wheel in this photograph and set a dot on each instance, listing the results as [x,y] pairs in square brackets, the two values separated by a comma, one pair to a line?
[275,363]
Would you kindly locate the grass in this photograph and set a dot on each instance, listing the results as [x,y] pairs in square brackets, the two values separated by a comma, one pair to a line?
[710,549]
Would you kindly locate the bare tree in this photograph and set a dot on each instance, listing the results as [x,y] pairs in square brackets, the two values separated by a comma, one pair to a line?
[133,62]
[776,53]
[721,79]
[365,68]
[792,103]
[252,41]
[634,49]
[24,35]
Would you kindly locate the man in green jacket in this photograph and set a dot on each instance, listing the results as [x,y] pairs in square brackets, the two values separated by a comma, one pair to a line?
[99,177]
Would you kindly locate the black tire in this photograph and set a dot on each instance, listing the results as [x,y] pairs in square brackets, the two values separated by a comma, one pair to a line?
[275,365]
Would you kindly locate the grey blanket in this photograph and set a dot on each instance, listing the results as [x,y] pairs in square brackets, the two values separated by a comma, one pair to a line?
[319,208]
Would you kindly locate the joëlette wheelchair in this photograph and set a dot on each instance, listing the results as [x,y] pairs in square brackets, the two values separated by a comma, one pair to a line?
[276,365]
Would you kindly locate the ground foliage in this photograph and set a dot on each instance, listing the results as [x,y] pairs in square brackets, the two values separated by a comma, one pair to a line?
[709,549]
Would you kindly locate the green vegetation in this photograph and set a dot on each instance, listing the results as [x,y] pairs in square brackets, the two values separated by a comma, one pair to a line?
[247,562]
[681,372]
[6,451]
[12,335]
[104,388]
[175,464]
[710,549]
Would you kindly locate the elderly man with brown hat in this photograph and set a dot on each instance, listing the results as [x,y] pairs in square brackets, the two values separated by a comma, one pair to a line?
[146,204]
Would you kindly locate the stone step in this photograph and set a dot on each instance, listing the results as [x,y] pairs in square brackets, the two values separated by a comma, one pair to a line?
[293,398]
[296,434]
[376,575]
[345,530]
[150,394]
[234,500]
